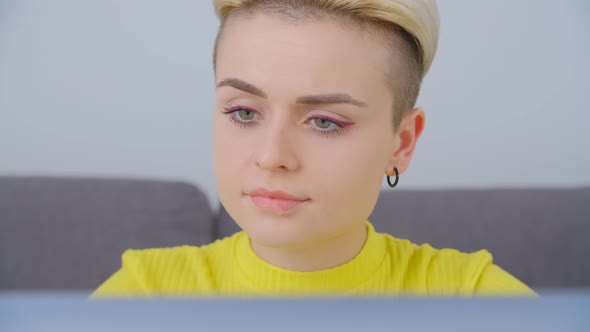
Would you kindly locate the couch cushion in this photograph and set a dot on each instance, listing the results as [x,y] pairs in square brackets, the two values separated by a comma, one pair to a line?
[58,233]
[538,235]
[225,225]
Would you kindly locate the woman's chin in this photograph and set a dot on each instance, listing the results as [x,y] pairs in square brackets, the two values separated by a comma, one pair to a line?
[279,236]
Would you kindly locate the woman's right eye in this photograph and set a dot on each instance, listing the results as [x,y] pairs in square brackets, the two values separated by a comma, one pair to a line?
[242,116]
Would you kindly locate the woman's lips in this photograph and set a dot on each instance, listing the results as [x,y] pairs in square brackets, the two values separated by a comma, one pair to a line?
[275,200]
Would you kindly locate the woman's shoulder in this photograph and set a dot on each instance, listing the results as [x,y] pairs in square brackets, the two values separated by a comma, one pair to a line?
[403,249]
[181,269]
[153,256]
[449,271]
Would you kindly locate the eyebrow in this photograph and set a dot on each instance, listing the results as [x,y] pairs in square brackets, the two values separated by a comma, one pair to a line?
[334,98]
[241,85]
[321,99]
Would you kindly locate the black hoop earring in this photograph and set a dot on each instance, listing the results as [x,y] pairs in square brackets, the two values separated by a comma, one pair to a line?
[392,185]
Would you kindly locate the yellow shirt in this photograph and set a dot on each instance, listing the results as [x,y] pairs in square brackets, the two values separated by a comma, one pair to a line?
[384,266]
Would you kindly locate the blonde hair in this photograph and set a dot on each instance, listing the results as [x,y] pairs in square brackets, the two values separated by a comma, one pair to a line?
[415,22]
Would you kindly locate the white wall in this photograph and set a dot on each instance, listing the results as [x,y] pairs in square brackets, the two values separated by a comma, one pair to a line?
[125,88]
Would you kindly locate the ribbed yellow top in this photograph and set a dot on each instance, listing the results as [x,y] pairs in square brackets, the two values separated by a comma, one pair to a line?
[384,266]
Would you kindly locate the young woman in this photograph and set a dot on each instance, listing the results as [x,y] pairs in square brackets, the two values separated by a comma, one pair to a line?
[315,104]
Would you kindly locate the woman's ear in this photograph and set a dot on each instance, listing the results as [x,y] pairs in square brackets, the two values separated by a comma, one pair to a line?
[406,138]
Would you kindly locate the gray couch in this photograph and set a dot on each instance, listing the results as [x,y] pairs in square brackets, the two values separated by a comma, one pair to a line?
[69,233]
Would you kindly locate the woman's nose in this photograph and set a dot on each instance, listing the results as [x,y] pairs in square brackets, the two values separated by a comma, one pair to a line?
[276,151]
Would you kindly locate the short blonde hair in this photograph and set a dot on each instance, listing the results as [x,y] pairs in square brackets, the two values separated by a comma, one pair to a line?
[416,22]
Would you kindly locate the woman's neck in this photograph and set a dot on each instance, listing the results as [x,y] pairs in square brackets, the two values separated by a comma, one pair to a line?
[320,255]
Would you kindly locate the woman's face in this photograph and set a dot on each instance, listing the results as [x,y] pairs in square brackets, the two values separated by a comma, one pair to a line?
[303,128]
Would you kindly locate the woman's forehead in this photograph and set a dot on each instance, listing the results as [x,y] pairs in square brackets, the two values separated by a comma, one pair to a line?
[313,54]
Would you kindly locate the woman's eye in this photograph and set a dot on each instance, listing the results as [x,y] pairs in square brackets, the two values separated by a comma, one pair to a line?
[325,124]
[322,123]
[241,116]
[245,115]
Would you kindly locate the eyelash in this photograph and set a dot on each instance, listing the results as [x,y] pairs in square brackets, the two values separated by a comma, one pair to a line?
[230,111]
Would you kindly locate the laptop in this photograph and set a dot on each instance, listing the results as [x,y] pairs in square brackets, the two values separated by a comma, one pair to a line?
[553,311]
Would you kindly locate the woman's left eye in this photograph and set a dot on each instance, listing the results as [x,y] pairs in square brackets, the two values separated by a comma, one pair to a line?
[325,124]
[322,123]
[327,127]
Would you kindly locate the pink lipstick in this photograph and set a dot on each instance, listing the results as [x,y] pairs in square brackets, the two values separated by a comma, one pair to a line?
[277,200]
